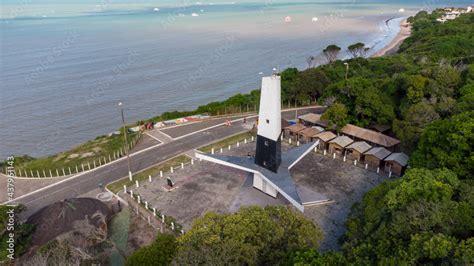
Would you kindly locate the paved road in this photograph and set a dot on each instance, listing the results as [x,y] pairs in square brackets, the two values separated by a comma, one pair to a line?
[88,181]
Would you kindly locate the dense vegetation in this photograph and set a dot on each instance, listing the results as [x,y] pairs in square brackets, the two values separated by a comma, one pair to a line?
[251,236]
[426,94]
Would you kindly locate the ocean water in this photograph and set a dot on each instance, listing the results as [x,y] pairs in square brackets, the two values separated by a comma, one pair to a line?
[64,67]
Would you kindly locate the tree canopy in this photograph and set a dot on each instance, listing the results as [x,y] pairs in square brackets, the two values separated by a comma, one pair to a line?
[253,235]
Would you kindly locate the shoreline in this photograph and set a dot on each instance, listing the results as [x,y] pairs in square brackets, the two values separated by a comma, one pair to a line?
[392,46]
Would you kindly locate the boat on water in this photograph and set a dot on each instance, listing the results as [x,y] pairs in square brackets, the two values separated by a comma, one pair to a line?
[401,10]
[288,19]
[194,15]
[156,9]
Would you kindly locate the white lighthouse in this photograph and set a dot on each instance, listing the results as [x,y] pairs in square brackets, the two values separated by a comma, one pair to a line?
[268,152]
[271,168]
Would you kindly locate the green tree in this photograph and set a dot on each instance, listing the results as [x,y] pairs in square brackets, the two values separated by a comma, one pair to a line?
[331,52]
[448,143]
[357,50]
[415,88]
[161,252]
[251,236]
[336,115]
[425,217]
[415,119]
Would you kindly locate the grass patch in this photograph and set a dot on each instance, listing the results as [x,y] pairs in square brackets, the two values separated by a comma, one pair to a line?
[226,142]
[103,146]
[153,171]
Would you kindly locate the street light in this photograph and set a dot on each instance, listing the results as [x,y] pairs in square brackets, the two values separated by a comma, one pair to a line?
[126,142]
[347,69]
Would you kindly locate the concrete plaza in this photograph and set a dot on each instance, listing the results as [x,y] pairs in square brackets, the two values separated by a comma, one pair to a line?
[204,187]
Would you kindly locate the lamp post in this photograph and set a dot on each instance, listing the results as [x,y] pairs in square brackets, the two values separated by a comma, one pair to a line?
[347,69]
[126,142]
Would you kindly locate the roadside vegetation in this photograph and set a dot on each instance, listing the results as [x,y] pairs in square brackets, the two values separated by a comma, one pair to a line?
[153,171]
[100,148]
[426,94]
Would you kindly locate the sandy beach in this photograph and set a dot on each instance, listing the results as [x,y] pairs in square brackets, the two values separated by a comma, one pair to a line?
[392,47]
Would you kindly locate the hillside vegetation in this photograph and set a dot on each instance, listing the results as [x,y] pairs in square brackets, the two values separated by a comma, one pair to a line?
[426,94]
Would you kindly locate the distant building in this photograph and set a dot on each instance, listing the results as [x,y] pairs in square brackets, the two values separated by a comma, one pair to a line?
[338,144]
[375,156]
[396,163]
[324,138]
[293,130]
[311,120]
[356,150]
[371,137]
[308,134]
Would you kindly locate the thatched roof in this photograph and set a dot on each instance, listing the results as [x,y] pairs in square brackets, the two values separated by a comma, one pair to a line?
[313,118]
[400,158]
[360,146]
[309,132]
[326,136]
[60,217]
[369,135]
[310,117]
[342,141]
[378,152]
[295,128]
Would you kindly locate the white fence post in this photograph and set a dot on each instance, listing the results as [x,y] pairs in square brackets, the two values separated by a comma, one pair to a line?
[172,169]
[124,188]
[238,144]
[229,147]
[161,173]
[182,165]
[366,166]
[138,199]
[212,151]
[222,150]
[192,161]
[136,184]
[149,178]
